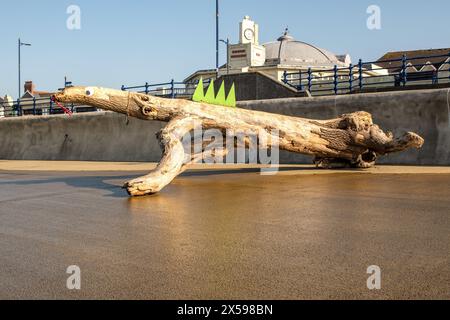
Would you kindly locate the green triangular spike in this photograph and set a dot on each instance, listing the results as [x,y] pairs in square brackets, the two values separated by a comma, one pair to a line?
[220,98]
[199,94]
[231,99]
[210,97]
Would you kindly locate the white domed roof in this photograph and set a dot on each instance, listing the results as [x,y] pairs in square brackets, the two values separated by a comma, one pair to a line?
[288,51]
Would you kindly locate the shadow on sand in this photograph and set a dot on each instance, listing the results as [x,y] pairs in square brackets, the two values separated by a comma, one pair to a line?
[112,181]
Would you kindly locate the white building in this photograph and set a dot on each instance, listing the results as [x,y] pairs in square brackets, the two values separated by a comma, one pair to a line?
[2,108]
[6,105]
[286,54]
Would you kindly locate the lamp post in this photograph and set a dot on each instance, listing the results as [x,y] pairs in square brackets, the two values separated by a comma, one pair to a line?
[227,42]
[66,84]
[217,36]
[19,45]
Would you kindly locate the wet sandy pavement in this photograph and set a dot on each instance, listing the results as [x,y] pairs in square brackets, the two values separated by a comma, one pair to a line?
[228,234]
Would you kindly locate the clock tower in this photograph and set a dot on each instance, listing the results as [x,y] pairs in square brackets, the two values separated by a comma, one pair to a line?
[249,31]
[247,53]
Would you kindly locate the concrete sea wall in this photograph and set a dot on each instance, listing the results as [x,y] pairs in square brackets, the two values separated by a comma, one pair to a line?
[426,112]
[105,136]
[96,136]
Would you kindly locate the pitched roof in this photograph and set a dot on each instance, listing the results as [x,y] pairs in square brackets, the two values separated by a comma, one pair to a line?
[28,95]
[428,67]
[207,72]
[36,94]
[395,66]
[445,66]
[43,93]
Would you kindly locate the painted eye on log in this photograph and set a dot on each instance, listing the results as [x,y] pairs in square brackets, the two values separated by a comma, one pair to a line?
[89,92]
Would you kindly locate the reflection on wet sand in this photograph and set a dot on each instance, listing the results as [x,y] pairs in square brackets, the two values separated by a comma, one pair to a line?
[234,235]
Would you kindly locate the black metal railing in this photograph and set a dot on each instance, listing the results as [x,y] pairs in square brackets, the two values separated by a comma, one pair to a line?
[344,80]
[37,106]
[337,80]
[171,89]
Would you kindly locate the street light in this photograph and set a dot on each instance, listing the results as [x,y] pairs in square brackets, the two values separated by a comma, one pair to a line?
[67,84]
[217,36]
[227,42]
[19,45]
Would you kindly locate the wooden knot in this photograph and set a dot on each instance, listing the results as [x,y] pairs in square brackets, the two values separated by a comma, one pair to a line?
[148,111]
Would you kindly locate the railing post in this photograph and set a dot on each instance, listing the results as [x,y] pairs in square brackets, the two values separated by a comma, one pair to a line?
[172,88]
[50,111]
[146,88]
[71,108]
[34,106]
[300,86]
[309,80]
[350,77]
[122,88]
[19,108]
[360,72]
[404,60]
[335,80]
[285,77]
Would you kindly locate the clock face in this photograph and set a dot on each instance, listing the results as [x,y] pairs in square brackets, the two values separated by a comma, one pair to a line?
[249,34]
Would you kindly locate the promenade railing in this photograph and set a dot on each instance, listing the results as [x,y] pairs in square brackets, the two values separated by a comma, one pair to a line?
[364,76]
[171,89]
[371,75]
[37,106]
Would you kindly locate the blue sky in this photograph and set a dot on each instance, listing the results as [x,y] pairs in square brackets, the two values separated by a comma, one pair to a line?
[130,42]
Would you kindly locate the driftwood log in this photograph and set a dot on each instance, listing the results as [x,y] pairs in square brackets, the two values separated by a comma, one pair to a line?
[351,139]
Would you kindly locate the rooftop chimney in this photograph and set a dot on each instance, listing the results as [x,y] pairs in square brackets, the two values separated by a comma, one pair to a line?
[29,86]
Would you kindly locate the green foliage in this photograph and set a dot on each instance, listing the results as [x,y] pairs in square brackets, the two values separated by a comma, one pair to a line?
[211,98]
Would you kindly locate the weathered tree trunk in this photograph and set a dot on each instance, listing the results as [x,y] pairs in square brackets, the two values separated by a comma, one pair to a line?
[350,140]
